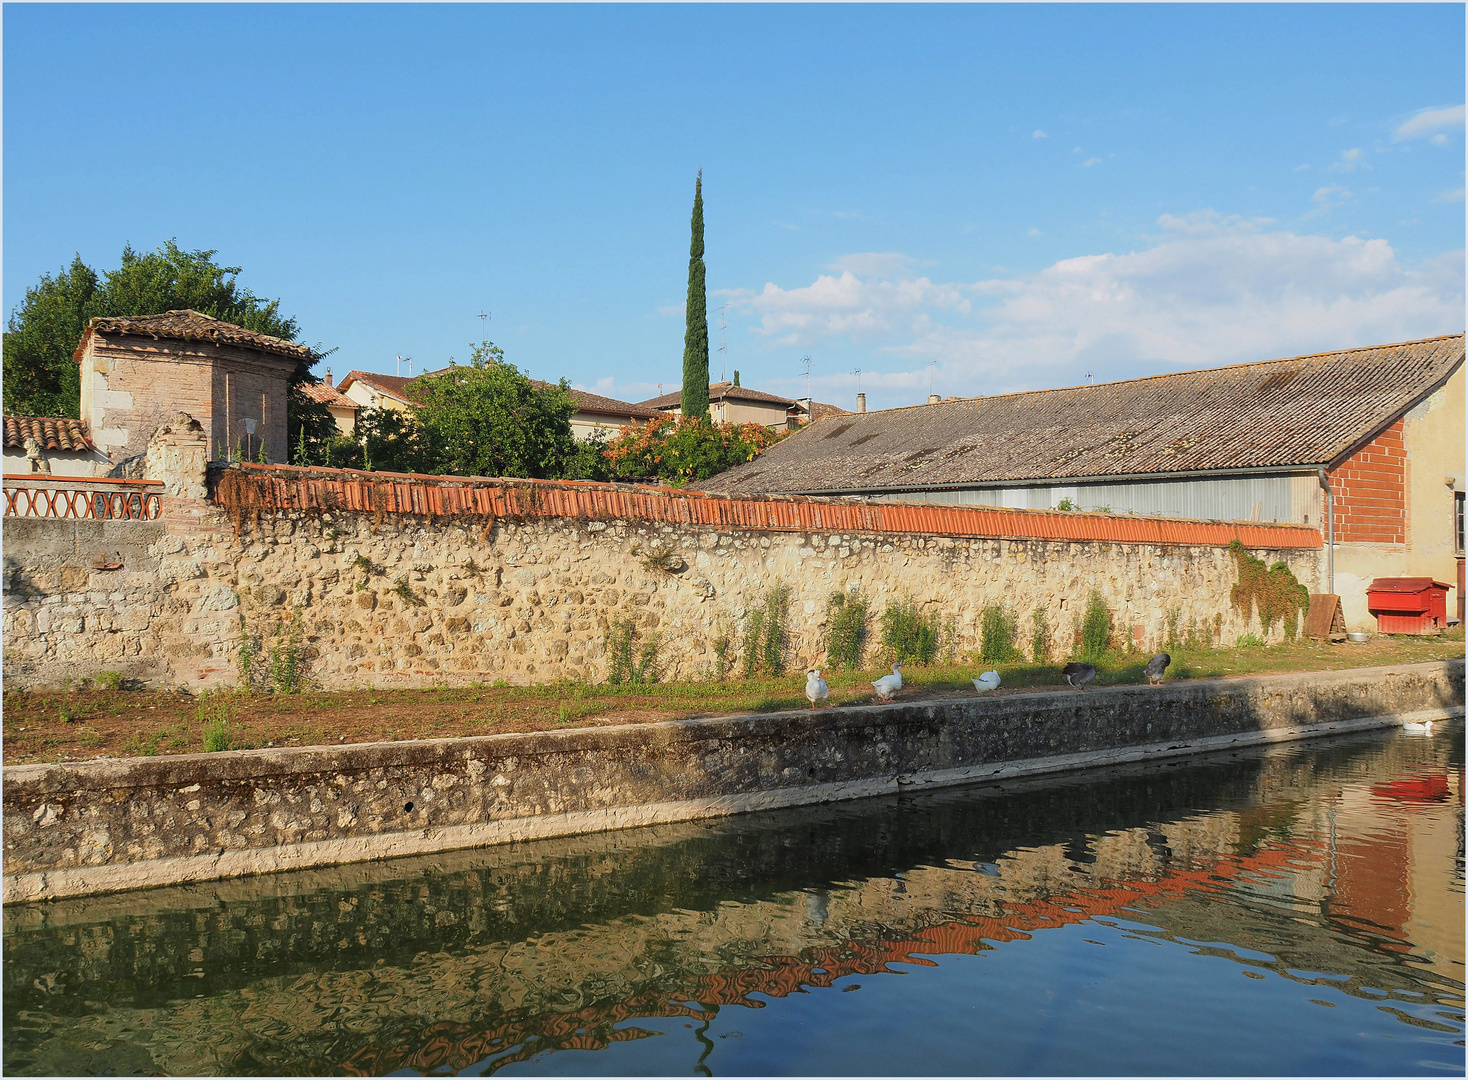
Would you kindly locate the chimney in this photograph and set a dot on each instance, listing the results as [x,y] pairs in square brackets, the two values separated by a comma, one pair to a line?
[933,399]
[328,377]
[861,403]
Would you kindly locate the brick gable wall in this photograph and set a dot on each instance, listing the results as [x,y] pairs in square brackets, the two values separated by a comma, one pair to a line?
[1371,491]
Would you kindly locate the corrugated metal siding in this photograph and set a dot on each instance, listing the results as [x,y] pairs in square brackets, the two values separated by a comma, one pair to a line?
[1261,498]
[286,487]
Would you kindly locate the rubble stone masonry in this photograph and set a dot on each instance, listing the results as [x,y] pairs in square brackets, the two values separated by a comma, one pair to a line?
[384,599]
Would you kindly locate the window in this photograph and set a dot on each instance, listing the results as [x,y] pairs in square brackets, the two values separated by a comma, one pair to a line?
[1458,521]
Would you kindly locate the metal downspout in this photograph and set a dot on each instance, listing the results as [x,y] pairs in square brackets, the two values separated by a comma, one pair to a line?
[1329,531]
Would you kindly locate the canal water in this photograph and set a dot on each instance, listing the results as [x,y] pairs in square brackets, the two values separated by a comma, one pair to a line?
[1291,911]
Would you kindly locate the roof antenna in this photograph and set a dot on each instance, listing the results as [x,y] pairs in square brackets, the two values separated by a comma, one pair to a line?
[400,366]
[1090,378]
[483,323]
[806,361]
[723,346]
[857,373]
[931,365]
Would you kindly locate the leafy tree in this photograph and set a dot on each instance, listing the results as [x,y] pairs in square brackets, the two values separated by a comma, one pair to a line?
[489,419]
[680,451]
[695,400]
[310,427]
[40,376]
[391,441]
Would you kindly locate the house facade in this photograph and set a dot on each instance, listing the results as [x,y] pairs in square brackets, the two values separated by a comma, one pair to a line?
[594,413]
[343,409]
[138,371]
[1365,444]
[730,403]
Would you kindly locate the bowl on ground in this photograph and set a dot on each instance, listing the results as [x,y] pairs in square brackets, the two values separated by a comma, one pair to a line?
[1358,637]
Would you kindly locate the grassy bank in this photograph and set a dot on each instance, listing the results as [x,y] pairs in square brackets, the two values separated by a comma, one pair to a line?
[93,723]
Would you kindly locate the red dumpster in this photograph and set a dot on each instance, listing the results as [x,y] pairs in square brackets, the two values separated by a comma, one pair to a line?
[1408,605]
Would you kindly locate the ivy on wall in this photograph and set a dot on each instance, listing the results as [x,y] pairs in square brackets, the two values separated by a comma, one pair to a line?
[1273,591]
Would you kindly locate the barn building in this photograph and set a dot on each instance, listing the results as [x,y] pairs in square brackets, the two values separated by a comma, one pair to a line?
[1366,444]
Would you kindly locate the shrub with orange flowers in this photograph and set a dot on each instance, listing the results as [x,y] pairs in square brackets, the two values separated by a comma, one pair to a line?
[678,452]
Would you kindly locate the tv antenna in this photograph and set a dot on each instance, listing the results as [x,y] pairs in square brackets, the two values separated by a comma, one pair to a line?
[806,361]
[483,323]
[857,373]
[931,365]
[723,346]
[1090,378]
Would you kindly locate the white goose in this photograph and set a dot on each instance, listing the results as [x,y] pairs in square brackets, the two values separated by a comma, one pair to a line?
[1417,727]
[816,689]
[888,685]
[989,681]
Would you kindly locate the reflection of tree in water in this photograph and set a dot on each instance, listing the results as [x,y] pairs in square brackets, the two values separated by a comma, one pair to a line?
[493,957]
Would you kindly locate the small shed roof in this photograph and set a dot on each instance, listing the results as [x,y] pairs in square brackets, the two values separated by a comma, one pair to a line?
[1301,411]
[188,325]
[52,433]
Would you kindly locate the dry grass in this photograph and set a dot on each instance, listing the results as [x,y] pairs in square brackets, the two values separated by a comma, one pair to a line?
[54,727]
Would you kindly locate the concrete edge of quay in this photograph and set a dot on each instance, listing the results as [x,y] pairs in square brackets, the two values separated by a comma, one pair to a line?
[107,826]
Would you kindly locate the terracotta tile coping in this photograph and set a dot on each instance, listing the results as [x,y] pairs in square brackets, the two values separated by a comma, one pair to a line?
[288,487]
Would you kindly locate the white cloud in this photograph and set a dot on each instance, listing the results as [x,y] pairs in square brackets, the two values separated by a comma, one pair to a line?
[1456,195]
[1439,139]
[673,309]
[1428,121]
[1348,162]
[1301,168]
[1089,162]
[1036,232]
[1211,290]
[1039,134]
[1328,198]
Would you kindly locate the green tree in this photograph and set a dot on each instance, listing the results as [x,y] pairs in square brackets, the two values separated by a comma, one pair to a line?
[489,419]
[310,427]
[391,441]
[40,376]
[695,400]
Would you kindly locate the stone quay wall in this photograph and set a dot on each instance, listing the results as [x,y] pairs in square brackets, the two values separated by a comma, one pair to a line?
[110,825]
[442,582]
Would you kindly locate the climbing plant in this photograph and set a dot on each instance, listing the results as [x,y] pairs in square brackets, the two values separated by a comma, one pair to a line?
[767,634]
[846,629]
[997,633]
[1272,591]
[908,634]
[1095,627]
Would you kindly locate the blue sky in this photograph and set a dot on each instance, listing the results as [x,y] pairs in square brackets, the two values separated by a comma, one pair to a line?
[989,197]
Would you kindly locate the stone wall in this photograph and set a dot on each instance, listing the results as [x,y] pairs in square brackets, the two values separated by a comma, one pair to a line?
[371,598]
[118,824]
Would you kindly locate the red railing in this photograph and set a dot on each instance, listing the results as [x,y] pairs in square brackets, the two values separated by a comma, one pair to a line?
[97,497]
[286,487]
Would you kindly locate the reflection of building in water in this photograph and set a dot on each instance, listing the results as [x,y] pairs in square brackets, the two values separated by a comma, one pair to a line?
[560,943]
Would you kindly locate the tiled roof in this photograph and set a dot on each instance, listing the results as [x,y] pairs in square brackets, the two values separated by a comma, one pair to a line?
[1300,411]
[326,395]
[720,391]
[819,409]
[595,403]
[392,385]
[190,326]
[50,432]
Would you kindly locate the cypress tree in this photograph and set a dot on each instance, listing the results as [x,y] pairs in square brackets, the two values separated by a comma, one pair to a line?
[695,399]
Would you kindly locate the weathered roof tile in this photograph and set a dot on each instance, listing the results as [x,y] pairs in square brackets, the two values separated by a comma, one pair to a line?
[1300,411]
[190,325]
[52,433]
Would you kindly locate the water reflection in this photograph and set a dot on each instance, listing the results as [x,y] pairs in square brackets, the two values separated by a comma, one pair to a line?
[1332,870]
